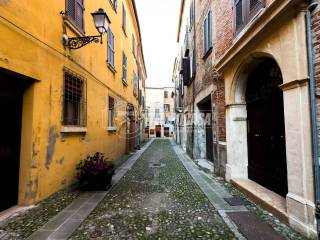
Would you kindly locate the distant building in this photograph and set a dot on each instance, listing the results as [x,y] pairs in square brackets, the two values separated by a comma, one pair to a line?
[160,114]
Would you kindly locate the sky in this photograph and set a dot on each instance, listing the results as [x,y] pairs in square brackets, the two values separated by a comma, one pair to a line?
[159,26]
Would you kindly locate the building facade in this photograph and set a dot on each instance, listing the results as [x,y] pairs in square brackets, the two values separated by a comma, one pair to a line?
[62,104]
[160,114]
[256,63]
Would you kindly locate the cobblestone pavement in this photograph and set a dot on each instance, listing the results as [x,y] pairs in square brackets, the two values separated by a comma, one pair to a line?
[158,199]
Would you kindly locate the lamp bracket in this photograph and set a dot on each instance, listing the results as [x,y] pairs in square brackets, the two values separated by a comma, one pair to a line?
[79,42]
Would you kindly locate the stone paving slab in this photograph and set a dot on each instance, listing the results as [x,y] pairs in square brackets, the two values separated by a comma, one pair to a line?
[68,220]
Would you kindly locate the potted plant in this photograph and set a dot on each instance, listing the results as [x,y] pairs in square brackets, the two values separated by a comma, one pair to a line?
[95,172]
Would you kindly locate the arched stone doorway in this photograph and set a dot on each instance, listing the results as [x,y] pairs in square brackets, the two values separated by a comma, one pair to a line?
[266,127]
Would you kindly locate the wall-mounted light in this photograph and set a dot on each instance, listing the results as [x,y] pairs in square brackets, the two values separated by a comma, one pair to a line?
[101,22]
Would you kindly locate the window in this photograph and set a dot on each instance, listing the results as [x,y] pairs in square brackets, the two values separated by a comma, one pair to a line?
[124,67]
[74,12]
[124,19]
[135,84]
[207,33]
[157,113]
[111,112]
[110,48]
[74,100]
[192,63]
[192,16]
[134,46]
[165,94]
[115,4]
[244,11]
[166,107]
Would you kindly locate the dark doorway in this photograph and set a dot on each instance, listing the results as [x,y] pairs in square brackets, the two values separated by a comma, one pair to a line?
[131,136]
[11,96]
[158,131]
[166,131]
[266,128]
[206,111]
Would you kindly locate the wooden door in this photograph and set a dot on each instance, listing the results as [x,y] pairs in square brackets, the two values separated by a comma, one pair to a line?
[266,129]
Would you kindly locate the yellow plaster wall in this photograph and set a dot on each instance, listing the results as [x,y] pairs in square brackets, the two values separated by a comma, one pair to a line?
[31,44]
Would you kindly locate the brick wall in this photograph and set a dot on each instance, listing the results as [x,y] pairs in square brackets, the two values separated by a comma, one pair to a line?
[316,43]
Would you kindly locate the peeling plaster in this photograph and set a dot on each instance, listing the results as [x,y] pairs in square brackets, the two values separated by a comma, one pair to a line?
[32,188]
[51,146]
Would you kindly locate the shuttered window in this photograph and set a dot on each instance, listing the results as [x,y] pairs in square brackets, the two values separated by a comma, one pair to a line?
[244,11]
[207,33]
[110,47]
[111,112]
[75,11]
[124,68]
[74,100]
[124,19]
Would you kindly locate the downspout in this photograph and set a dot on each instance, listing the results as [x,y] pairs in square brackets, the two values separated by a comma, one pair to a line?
[195,71]
[313,101]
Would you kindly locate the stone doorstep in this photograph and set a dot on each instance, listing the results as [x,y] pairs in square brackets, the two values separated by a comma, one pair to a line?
[268,200]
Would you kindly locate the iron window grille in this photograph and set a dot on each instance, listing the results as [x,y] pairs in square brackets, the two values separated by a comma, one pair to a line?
[166,107]
[74,100]
[110,48]
[124,68]
[75,12]
[244,11]
[111,112]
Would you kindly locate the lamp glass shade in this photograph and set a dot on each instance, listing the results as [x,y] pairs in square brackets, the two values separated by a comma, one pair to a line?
[101,21]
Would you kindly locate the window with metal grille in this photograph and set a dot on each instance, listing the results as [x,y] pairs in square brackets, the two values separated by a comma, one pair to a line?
[111,112]
[115,4]
[124,19]
[165,94]
[244,11]
[74,100]
[110,47]
[207,33]
[124,68]
[74,11]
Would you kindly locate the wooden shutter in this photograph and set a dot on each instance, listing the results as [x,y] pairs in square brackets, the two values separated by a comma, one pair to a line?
[209,30]
[238,12]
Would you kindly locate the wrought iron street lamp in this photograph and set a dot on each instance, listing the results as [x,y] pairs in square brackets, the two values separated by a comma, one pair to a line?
[101,22]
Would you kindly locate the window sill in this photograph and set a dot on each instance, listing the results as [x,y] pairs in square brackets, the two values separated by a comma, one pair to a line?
[206,55]
[112,129]
[112,69]
[73,129]
[76,30]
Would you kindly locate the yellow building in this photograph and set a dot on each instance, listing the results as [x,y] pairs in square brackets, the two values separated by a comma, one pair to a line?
[60,104]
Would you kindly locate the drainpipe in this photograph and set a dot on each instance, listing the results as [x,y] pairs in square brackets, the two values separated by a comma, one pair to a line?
[313,101]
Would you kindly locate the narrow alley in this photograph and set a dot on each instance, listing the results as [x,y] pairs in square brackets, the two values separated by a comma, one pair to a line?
[160,194]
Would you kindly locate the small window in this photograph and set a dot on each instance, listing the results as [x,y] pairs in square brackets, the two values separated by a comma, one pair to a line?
[166,107]
[74,100]
[244,11]
[135,84]
[134,46]
[124,68]
[157,113]
[207,33]
[115,4]
[74,12]
[111,112]
[110,47]
[124,19]
[165,94]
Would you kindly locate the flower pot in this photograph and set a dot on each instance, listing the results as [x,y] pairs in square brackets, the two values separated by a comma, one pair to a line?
[101,181]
